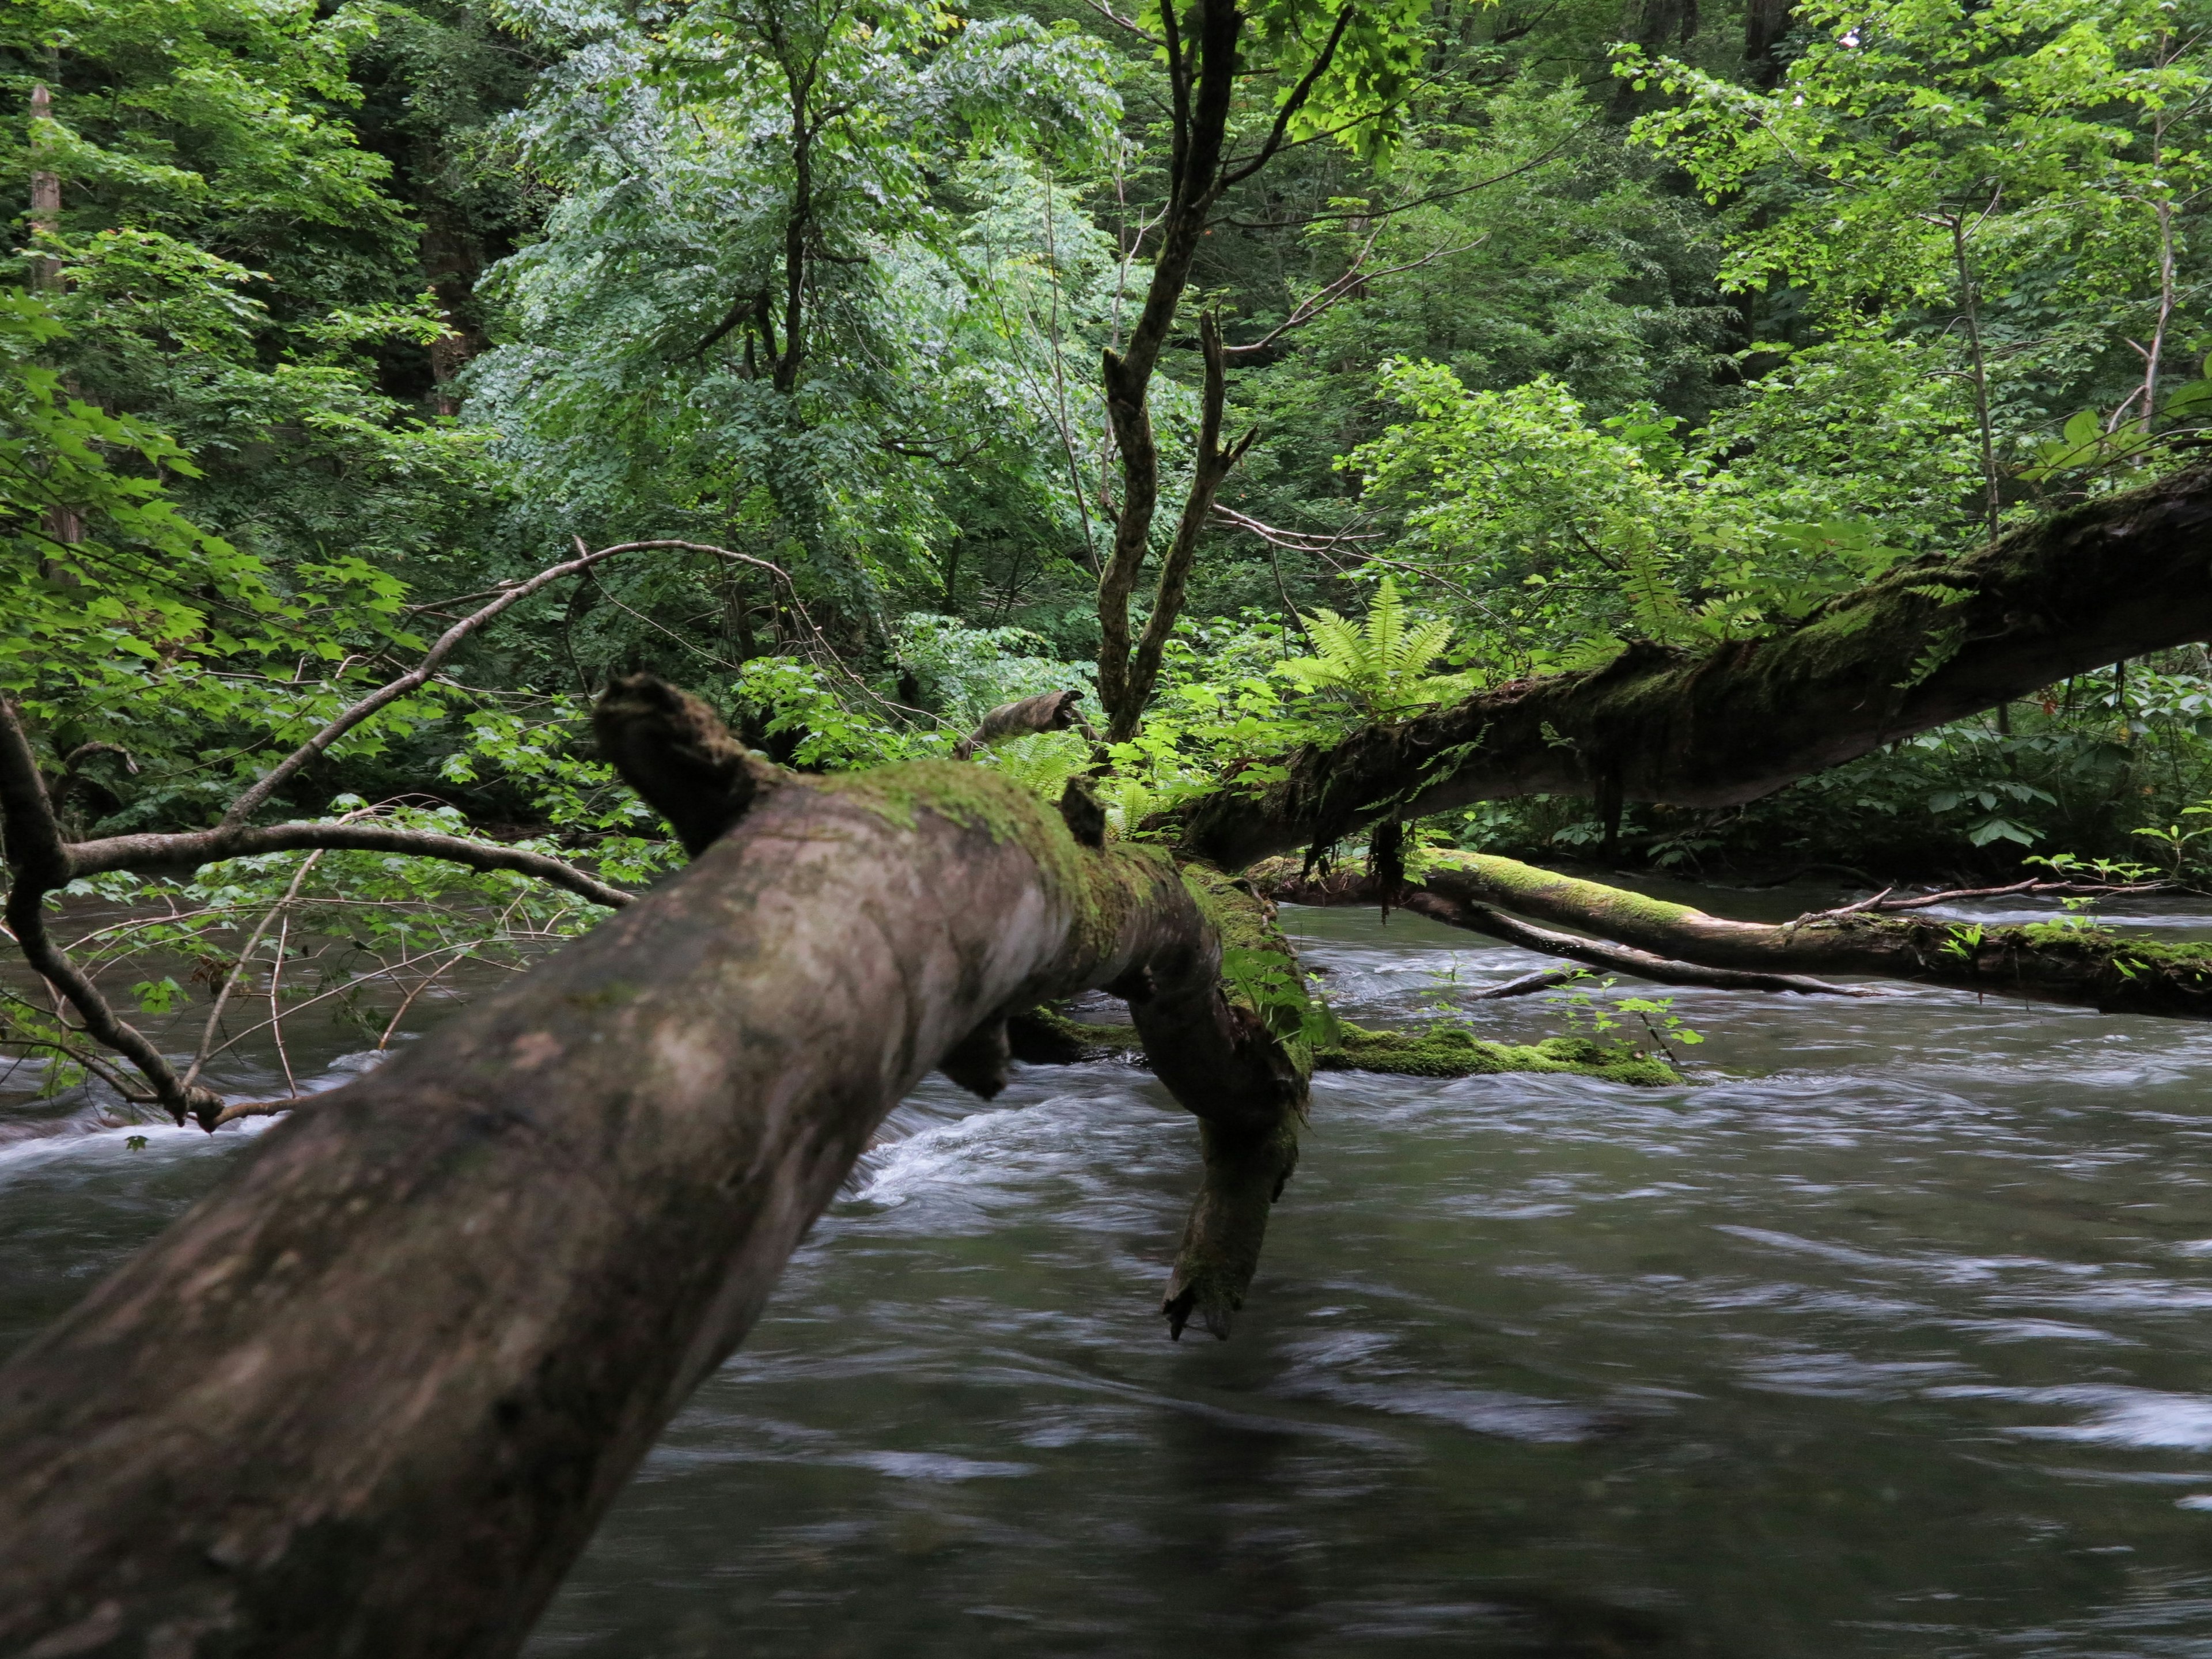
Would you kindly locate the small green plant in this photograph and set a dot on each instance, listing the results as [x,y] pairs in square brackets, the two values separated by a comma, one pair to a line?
[1586,1017]
[2173,841]
[1382,665]
[2067,867]
[1965,942]
[135,1143]
[1661,1023]
[1269,980]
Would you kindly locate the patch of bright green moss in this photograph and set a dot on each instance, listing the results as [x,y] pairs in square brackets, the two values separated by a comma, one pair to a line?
[1445,1049]
[1099,887]
[1442,1050]
[1511,877]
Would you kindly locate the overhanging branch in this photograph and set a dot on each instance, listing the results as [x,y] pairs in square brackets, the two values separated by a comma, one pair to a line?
[2118,577]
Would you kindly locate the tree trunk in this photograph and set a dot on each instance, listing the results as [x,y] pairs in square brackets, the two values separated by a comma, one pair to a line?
[1766,23]
[2060,961]
[371,1396]
[2118,577]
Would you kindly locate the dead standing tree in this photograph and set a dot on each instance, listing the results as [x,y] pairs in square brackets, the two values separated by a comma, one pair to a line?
[372,1394]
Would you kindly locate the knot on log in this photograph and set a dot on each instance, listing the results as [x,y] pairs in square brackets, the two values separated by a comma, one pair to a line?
[676,753]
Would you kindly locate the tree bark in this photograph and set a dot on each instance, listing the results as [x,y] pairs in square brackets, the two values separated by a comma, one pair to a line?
[371,1395]
[1766,22]
[1209,469]
[2117,577]
[1201,50]
[2084,965]
[1288,884]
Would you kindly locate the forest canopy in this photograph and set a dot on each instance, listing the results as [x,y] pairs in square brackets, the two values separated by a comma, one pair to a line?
[1540,338]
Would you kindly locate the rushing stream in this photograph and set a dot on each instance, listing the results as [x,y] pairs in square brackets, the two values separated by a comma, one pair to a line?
[1892,1334]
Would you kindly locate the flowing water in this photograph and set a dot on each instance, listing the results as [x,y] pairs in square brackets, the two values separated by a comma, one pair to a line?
[1890,1335]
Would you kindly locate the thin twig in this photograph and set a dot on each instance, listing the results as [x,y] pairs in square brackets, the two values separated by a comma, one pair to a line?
[275,778]
[276,1009]
[1315,304]
[1366,214]
[1882,903]
[243,964]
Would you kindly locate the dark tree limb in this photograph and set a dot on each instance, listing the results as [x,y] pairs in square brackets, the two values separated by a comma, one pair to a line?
[1048,711]
[676,753]
[1210,467]
[1929,643]
[1201,49]
[38,863]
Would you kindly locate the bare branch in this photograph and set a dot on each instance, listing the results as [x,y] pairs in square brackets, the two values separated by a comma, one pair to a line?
[1122,22]
[1292,106]
[1396,208]
[172,854]
[1291,541]
[244,959]
[1343,288]
[415,679]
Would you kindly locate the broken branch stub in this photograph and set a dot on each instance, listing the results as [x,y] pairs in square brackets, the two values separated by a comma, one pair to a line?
[1048,711]
[676,753]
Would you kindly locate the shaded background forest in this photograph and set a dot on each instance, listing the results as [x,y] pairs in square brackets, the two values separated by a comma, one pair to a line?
[1653,321]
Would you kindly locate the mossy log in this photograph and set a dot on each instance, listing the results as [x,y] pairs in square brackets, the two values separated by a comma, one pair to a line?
[1353,883]
[2066,960]
[1444,1048]
[371,1395]
[1934,641]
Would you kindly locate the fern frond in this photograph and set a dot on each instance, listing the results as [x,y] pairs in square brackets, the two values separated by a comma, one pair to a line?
[1420,647]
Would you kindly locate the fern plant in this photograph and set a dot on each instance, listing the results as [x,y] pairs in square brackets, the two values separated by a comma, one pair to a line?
[1381,666]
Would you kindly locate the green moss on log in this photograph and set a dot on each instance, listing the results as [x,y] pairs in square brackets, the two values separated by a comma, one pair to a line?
[1513,880]
[1444,1050]
[1100,888]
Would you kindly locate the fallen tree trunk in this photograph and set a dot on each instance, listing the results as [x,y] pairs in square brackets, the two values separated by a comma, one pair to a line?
[1287,883]
[1930,642]
[371,1396]
[2067,960]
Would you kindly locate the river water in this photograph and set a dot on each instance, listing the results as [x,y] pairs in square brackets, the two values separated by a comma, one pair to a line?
[1888,1335]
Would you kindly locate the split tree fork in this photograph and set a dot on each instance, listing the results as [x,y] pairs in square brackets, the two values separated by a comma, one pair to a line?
[372,1394]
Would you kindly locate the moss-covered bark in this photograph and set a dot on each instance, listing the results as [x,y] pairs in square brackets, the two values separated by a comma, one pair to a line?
[1932,641]
[1444,1048]
[372,1394]
[2064,960]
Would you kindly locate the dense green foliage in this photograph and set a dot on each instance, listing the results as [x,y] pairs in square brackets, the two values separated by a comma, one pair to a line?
[1560,328]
